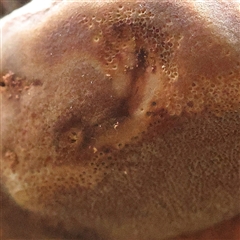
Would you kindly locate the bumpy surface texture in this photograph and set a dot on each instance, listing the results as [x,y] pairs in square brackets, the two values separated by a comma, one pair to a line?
[121,120]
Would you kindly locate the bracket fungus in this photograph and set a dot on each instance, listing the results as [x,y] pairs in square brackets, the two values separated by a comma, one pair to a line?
[120,119]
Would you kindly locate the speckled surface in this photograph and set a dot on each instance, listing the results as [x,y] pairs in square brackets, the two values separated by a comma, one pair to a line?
[122,118]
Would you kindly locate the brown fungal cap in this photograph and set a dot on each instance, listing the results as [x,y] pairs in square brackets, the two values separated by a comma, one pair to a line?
[129,119]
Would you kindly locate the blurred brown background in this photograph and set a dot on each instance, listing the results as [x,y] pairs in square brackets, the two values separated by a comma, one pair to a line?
[7,6]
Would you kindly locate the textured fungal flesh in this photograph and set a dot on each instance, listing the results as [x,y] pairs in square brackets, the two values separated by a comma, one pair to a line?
[123,117]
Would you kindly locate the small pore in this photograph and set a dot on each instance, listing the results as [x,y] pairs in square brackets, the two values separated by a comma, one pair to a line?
[96,39]
[2,84]
[153,104]
[190,104]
